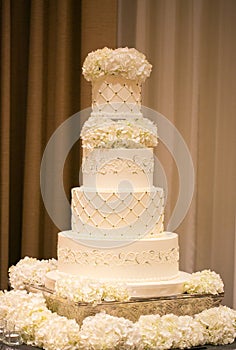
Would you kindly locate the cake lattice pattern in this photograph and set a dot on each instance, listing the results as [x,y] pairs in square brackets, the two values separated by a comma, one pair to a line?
[124,214]
[110,97]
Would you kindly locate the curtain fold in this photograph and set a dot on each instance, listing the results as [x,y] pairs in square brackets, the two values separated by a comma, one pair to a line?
[43,46]
[193,84]
[217,143]
[52,72]
[5,141]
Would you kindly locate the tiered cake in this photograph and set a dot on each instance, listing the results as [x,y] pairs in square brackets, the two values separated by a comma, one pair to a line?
[117,215]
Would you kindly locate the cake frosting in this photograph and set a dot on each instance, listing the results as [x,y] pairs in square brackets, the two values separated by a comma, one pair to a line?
[117,215]
[114,169]
[148,260]
[116,98]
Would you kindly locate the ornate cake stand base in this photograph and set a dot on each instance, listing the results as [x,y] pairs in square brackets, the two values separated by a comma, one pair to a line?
[183,304]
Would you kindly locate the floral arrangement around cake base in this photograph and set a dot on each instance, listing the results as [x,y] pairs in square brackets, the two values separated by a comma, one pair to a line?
[43,328]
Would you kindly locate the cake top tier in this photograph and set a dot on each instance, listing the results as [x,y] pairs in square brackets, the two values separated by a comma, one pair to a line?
[116,77]
[123,62]
[116,120]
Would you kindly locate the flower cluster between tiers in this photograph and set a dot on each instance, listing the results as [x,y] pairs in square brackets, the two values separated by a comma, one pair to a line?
[40,327]
[104,132]
[128,63]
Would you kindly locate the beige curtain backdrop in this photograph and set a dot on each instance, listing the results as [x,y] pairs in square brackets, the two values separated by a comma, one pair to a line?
[43,44]
[191,44]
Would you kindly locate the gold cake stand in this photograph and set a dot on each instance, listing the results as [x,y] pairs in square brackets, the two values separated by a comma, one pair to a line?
[182,304]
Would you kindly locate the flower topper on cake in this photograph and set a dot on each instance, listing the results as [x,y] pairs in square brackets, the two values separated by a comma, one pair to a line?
[128,63]
[116,120]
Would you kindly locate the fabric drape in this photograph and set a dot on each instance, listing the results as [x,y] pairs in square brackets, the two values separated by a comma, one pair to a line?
[39,37]
[191,44]
[42,49]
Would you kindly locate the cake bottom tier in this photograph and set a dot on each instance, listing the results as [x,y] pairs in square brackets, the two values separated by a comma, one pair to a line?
[149,267]
[138,290]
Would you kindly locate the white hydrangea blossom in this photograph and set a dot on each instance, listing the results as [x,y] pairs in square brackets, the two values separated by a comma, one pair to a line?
[37,324]
[90,291]
[27,311]
[204,282]
[58,332]
[104,331]
[219,325]
[40,327]
[128,63]
[190,333]
[168,331]
[148,333]
[30,271]
[104,132]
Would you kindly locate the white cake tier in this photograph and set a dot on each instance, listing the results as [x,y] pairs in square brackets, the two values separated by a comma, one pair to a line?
[117,215]
[144,260]
[116,97]
[136,290]
[118,169]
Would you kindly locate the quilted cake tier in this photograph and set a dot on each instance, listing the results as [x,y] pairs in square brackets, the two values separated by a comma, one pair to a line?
[117,215]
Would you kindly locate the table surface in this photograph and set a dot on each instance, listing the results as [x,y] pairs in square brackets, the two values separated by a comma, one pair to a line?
[208,347]
[20,347]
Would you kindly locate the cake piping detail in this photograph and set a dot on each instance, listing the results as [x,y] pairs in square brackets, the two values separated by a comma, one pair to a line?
[109,258]
[94,165]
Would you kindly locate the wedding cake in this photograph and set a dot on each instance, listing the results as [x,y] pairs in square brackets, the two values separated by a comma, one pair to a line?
[117,225]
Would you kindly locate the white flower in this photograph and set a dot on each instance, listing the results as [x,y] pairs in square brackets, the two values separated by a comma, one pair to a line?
[104,331]
[190,333]
[103,132]
[30,271]
[78,290]
[90,291]
[219,325]
[57,332]
[43,328]
[27,311]
[128,63]
[40,327]
[204,282]
[214,326]
[36,323]
[149,333]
